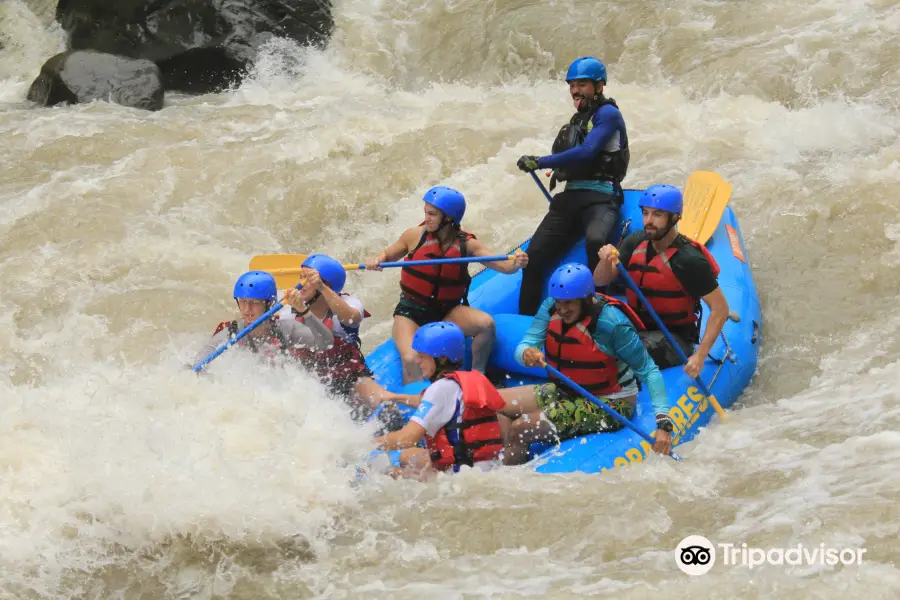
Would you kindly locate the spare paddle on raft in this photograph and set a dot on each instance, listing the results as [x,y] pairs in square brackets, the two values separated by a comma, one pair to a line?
[627,278]
[286,267]
[705,198]
[242,333]
[609,409]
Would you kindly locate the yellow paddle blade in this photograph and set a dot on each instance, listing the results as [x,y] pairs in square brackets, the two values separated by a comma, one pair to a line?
[284,267]
[705,198]
[716,210]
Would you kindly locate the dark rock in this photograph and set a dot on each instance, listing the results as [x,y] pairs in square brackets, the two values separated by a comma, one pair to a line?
[84,76]
[200,45]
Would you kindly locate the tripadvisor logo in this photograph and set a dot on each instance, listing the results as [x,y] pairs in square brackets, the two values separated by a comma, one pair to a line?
[696,555]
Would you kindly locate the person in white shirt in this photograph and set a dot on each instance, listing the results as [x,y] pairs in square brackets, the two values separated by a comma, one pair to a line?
[457,415]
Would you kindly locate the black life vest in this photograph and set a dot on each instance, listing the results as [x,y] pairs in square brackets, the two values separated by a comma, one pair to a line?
[606,166]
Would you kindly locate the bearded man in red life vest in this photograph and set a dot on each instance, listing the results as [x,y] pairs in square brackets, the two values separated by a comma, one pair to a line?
[254,293]
[674,273]
[457,415]
[438,293]
[591,339]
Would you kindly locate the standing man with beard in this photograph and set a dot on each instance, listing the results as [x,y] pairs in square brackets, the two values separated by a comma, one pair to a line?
[674,273]
[591,155]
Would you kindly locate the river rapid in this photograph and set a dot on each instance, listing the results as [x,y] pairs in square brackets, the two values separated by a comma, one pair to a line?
[123,475]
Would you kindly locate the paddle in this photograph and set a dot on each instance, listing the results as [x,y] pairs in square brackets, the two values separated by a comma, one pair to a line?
[632,285]
[241,334]
[540,184]
[712,399]
[705,198]
[285,267]
[610,410]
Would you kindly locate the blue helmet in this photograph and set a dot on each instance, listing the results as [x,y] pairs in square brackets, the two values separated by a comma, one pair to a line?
[587,67]
[256,284]
[331,271]
[449,201]
[662,197]
[441,339]
[571,281]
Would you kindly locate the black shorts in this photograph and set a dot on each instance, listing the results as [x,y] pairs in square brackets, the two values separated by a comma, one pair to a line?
[422,314]
[661,351]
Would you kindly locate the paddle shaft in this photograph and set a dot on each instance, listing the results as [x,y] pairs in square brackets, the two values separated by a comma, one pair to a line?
[540,184]
[441,261]
[241,334]
[408,263]
[624,273]
[612,412]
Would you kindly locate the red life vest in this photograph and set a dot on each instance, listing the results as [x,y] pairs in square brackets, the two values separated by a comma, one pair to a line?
[275,344]
[571,349]
[339,366]
[476,436]
[661,287]
[438,284]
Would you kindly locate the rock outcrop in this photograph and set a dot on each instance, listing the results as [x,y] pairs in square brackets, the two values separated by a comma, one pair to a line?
[84,76]
[199,45]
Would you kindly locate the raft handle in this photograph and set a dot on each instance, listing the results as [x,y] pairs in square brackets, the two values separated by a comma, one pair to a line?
[727,355]
[755,337]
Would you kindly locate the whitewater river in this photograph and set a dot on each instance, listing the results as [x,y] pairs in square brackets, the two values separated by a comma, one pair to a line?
[123,475]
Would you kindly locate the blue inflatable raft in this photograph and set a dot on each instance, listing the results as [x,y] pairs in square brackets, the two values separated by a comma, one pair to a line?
[727,372]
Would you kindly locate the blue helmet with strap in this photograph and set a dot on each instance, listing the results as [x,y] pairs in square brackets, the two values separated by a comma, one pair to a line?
[587,67]
[257,285]
[571,282]
[441,338]
[331,271]
[662,197]
[448,201]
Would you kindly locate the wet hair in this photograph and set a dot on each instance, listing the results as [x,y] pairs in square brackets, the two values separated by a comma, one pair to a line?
[443,365]
[447,221]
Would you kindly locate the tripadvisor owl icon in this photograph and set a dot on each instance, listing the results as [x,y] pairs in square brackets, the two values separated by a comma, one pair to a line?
[695,555]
